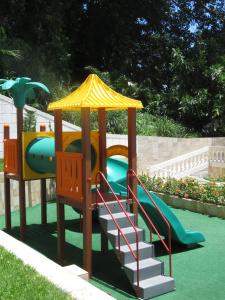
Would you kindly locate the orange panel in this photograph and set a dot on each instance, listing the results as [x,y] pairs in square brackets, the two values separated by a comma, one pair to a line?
[10,156]
[69,175]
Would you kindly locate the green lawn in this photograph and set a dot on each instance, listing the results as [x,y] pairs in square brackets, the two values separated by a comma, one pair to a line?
[199,272]
[1,165]
[22,282]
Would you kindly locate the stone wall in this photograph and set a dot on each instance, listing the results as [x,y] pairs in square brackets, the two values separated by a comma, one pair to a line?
[216,171]
[32,193]
[153,150]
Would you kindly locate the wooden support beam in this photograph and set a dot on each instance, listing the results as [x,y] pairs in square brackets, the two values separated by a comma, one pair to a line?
[8,224]
[102,164]
[6,132]
[7,196]
[87,197]
[132,154]
[22,196]
[58,130]
[43,191]
[60,206]
[43,202]
[102,139]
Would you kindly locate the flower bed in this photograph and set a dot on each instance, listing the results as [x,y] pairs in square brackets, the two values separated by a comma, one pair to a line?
[200,207]
[187,188]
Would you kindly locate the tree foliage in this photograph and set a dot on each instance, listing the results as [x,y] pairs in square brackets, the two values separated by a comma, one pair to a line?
[168,53]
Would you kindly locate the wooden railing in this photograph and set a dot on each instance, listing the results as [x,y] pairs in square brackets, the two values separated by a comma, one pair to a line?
[11,156]
[69,175]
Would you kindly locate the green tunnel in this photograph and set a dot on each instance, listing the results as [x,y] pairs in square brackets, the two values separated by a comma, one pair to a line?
[40,154]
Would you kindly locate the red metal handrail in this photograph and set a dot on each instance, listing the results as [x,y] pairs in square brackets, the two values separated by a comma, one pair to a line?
[167,247]
[136,257]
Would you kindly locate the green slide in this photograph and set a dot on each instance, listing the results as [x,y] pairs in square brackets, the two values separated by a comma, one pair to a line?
[117,170]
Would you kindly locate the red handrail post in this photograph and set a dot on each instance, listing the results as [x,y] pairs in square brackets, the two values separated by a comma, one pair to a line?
[131,172]
[99,194]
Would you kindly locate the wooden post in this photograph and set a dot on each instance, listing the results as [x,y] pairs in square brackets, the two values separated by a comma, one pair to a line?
[22,196]
[132,155]
[60,206]
[43,191]
[102,164]
[102,139]
[6,130]
[8,224]
[87,197]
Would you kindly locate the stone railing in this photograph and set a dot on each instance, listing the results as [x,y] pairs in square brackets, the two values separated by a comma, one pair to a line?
[216,161]
[217,155]
[183,165]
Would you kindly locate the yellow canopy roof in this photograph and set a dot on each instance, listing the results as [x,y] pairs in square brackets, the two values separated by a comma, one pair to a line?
[94,93]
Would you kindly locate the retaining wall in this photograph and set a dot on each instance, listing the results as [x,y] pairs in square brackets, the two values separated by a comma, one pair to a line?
[33,193]
[152,150]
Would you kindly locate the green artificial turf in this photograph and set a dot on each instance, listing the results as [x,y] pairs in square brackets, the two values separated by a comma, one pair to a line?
[22,282]
[199,273]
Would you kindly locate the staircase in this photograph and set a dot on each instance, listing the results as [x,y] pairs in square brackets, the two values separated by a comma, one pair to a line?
[144,271]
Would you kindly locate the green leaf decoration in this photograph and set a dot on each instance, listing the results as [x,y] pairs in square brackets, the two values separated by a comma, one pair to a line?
[2,80]
[38,85]
[30,94]
[21,89]
[7,85]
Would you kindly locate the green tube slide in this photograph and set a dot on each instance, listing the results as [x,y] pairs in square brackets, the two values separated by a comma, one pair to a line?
[117,177]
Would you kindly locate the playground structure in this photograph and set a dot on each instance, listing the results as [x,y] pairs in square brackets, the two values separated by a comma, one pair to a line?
[86,181]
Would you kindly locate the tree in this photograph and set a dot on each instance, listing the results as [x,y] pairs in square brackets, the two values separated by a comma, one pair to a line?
[29,121]
[170,50]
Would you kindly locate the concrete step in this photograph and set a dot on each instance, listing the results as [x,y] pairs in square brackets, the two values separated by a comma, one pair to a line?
[155,286]
[114,207]
[108,223]
[146,250]
[129,234]
[148,268]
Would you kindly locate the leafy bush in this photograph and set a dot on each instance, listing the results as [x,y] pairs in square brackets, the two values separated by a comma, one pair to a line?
[146,124]
[187,188]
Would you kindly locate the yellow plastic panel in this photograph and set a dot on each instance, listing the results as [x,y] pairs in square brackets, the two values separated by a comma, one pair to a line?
[117,150]
[68,138]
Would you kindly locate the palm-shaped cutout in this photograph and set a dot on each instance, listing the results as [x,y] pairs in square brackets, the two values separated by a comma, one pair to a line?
[21,89]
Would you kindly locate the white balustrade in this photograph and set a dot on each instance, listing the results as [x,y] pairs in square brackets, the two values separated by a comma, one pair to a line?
[217,154]
[189,163]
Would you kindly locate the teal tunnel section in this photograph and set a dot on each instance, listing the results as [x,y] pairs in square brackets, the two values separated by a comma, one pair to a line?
[40,154]
[117,171]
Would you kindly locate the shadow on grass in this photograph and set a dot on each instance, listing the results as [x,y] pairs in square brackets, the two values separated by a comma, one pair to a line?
[107,270]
